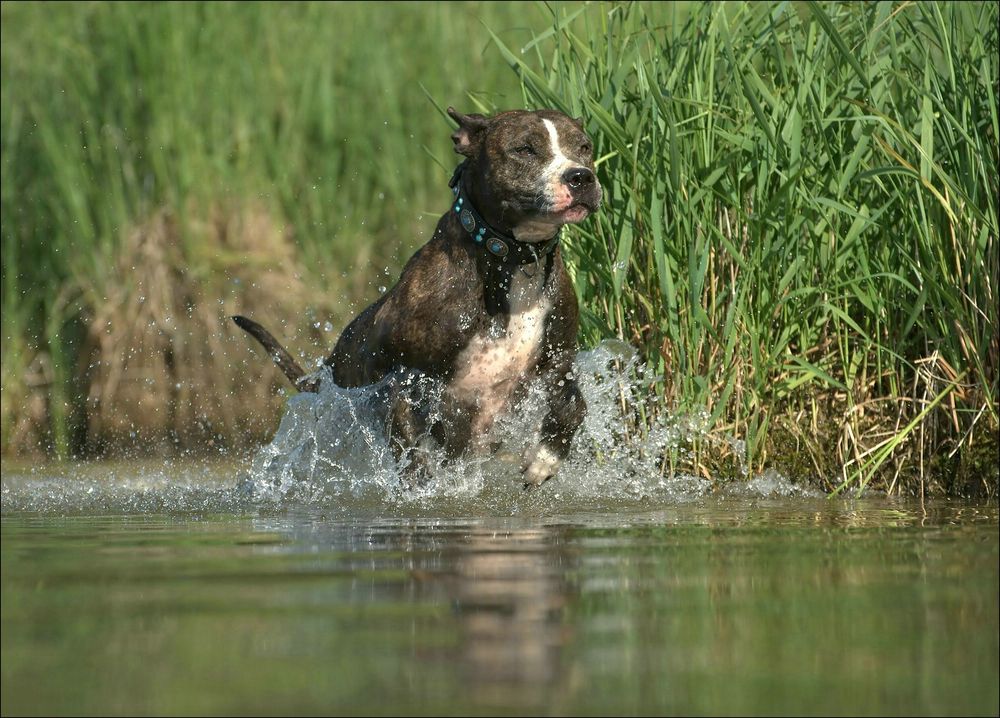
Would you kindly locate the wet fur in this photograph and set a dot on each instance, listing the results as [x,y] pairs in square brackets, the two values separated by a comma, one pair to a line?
[452,315]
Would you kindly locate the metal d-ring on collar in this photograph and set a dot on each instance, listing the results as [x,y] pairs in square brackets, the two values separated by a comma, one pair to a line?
[507,249]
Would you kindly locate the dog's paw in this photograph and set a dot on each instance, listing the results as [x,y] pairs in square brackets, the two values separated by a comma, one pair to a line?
[540,466]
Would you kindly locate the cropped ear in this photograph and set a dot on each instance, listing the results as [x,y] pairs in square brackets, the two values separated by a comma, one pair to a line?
[469,132]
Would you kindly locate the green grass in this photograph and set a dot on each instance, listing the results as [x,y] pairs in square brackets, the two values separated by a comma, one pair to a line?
[800,227]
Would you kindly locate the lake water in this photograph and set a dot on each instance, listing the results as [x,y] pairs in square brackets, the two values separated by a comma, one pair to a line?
[158,589]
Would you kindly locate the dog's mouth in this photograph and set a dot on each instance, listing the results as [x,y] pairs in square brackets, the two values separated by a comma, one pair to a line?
[571,210]
[576,212]
[576,206]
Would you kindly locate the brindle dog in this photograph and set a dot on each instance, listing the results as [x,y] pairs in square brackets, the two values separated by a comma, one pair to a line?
[486,306]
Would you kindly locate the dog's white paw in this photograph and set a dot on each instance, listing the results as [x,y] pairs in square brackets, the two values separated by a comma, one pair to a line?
[540,465]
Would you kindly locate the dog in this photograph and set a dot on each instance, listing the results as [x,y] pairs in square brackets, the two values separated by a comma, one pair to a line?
[486,306]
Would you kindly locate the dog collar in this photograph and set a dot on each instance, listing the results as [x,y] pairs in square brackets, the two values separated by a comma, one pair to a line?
[502,246]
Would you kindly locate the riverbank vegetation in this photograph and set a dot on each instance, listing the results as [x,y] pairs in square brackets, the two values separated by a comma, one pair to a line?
[799,234]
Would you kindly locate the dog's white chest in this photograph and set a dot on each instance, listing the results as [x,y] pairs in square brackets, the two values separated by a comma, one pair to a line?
[491,361]
[493,365]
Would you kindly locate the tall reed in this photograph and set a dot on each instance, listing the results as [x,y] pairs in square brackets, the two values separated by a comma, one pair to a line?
[801,221]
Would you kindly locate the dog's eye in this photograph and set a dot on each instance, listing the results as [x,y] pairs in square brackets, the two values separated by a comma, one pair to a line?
[526,150]
[585,148]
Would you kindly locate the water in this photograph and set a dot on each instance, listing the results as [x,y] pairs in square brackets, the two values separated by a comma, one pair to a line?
[331,445]
[306,580]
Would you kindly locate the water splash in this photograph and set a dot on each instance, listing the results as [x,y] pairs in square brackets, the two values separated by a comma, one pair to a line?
[332,445]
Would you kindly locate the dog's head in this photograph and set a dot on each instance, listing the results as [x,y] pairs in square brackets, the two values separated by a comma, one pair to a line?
[530,171]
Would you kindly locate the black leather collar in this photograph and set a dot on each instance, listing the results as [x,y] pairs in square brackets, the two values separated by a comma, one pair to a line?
[508,250]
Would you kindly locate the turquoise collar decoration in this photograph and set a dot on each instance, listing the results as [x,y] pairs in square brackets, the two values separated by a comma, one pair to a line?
[505,248]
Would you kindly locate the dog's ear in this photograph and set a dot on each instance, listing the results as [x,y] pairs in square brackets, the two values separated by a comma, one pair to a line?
[469,132]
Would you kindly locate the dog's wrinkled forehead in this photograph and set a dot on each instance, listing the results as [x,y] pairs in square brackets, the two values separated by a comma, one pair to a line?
[545,133]
[539,136]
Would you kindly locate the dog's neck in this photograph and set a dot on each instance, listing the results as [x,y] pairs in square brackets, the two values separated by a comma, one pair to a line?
[508,250]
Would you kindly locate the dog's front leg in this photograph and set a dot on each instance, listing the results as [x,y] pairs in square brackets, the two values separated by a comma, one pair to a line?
[566,409]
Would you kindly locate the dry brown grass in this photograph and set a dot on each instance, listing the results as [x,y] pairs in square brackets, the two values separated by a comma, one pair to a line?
[162,367]
[24,402]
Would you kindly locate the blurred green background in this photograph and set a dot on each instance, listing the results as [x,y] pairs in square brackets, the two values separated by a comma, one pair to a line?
[166,164]
[799,234]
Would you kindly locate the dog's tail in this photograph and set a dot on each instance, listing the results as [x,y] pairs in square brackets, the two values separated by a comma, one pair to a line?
[278,354]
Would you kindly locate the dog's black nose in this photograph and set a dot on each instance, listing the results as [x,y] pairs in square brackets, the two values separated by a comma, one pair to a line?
[578,178]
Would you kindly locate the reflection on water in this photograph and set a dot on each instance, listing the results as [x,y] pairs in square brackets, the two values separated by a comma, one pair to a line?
[505,588]
[510,597]
[782,602]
